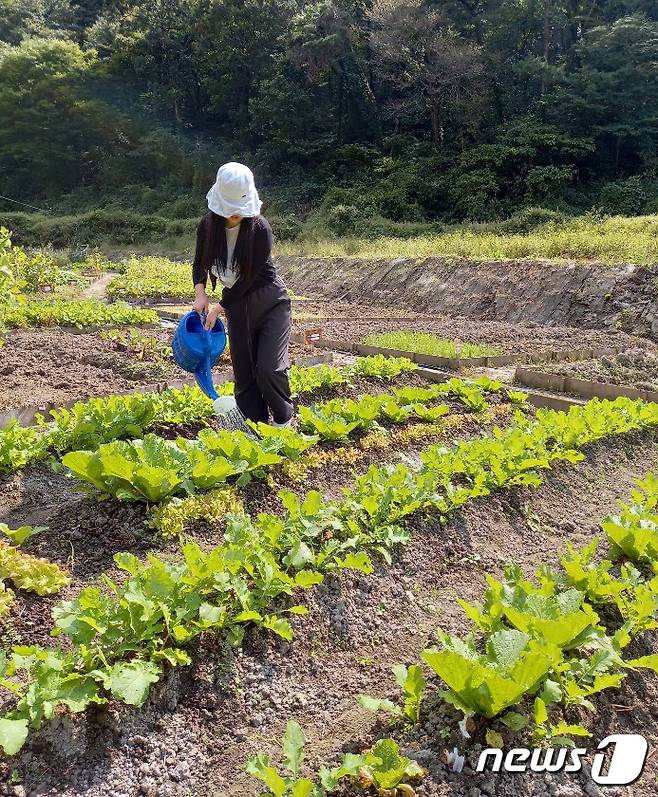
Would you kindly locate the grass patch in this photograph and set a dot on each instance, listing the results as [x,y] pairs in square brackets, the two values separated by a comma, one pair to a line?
[157,277]
[611,240]
[152,277]
[306,316]
[77,313]
[426,343]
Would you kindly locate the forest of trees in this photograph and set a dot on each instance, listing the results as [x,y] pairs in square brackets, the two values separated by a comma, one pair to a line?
[444,110]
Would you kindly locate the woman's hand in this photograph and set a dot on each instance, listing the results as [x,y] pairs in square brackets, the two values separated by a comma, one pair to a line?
[202,302]
[211,316]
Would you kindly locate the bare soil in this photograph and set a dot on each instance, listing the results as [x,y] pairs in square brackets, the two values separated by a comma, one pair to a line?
[337,310]
[636,367]
[306,309]
[520,338]
[52,366]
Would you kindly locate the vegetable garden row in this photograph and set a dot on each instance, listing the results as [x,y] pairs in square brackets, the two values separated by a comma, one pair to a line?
[543,649]
[121,637]
[234,548]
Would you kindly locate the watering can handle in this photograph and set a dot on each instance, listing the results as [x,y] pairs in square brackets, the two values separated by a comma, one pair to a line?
[203,316]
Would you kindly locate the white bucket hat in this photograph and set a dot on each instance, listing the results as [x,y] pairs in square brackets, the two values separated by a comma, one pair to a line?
[234,192]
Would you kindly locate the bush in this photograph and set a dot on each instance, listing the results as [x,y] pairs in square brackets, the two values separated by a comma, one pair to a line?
[118,226]
[36,229]
[549,184]
[183,207]
[631,197]
[529,219]
[345,220]
[286,227]
[397,206]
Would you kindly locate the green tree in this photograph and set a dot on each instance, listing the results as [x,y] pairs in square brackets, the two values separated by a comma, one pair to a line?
[329,42]
[428,71]
[156,41]
[239,48]
[612,94]
[52,136]
[20,18]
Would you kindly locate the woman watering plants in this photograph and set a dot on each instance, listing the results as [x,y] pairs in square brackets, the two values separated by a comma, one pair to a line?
[234,246]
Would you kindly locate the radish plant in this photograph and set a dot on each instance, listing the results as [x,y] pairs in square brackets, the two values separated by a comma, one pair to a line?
[382,768]
[413,684]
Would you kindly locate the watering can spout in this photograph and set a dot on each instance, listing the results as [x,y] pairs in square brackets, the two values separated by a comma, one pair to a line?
[196,350]
[203,376]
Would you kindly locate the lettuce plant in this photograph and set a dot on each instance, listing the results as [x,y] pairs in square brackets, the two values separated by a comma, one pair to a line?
[560,618]
[284,440]
[634,531]
[380,367]
[21,445]
[30,573]
[149,470]
[152,469]
[173,517]
[512,666]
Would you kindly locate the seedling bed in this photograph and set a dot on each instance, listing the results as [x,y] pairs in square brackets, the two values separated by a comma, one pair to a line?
[585,388]
[459,364]
[96,530]
[540,399]
[523,339]
[633,368]
[86,330]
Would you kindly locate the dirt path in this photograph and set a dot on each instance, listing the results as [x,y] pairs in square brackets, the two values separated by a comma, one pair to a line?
[204,721]
[98,288]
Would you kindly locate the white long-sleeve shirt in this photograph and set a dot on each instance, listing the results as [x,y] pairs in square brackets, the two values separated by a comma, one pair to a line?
[229,277]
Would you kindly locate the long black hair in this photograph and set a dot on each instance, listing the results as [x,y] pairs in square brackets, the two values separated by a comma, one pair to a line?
[215,248]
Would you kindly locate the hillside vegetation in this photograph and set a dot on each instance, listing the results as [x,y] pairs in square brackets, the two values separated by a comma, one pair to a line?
[611,241]
[359,118]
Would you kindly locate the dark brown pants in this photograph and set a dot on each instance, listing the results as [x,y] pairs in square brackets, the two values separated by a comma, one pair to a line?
[259,333]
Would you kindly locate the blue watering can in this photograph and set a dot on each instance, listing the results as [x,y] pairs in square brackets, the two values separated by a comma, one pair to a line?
[196,349]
